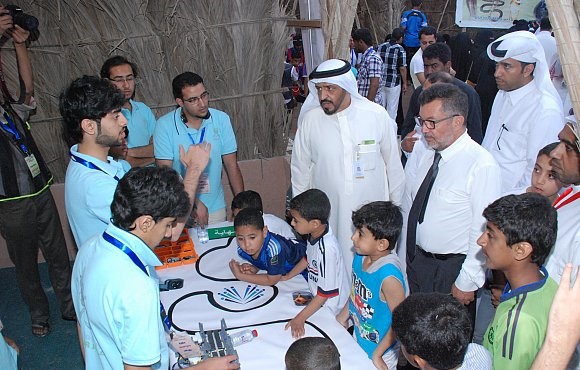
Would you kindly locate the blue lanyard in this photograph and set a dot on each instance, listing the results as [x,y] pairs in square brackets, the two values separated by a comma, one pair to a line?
[200,138]
[125,249]
[88,164]
[10,127]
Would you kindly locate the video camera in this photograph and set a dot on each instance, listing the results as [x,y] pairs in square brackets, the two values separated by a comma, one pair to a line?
[26,21]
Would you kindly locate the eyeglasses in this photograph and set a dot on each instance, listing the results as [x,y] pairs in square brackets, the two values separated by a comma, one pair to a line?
[429,123]
[122,79]
[197,99]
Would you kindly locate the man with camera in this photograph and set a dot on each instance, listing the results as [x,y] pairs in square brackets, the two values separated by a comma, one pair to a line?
[28,215]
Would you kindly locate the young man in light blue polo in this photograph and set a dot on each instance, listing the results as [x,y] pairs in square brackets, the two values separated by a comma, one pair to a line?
[115,289]
[193,122]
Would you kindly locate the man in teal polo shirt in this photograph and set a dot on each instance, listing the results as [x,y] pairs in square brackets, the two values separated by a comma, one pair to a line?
[193,123]
[140,119]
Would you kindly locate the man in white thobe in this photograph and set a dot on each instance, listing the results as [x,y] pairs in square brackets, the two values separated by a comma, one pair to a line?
[527,111]
[345,146]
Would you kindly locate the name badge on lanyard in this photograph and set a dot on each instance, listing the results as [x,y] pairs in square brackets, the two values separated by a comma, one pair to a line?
[203,182]
[32,164]
[29,158]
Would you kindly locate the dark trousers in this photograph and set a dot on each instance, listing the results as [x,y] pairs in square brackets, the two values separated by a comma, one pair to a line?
[427,274]
[411,51]
[30,224]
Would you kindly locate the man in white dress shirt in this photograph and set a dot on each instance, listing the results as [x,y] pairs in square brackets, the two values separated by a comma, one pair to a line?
[345,146]
[548,41]
[527,111]
[443,256]
[427,36]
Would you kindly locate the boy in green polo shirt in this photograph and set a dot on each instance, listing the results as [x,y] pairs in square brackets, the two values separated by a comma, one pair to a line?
[519,234]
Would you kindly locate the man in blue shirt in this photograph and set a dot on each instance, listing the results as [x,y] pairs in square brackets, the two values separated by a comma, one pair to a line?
[115,289]
[91,111]
[412,21]
[193,123]
[140,119]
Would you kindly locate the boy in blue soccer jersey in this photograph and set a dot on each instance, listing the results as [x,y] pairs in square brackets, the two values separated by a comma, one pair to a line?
[252,199]
[378,283]
[264,250]
[327,277]
[520,232]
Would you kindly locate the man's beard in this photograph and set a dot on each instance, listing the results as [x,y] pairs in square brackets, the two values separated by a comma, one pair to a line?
[106,140]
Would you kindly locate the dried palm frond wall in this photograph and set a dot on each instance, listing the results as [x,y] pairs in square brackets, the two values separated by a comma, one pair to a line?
[237,46]
[337,19]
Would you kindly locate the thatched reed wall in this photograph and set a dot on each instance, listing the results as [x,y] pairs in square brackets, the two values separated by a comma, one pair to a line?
[337,20]
[382,16]
[236,45]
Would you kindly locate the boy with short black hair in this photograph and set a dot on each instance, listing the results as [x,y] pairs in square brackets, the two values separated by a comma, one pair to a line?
[520,232]
[263,249]
[378,283]
[312,353]
[252,199]
[327,277]
[435,331]
[115,292]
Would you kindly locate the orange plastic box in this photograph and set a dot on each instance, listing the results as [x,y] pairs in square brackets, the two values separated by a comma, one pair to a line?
[178,253]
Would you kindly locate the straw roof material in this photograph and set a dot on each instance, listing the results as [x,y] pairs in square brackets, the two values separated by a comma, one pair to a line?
[237,46]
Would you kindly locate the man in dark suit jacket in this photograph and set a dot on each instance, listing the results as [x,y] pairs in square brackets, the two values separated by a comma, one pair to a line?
[437,57]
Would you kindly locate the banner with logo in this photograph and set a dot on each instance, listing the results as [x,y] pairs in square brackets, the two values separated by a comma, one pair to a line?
[497,13]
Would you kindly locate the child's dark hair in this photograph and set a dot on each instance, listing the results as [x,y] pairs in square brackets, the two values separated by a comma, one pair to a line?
[548,149]
[154,191]
[313,204]
[312,353]
[383,219]
[435,327]
[527,217]
[249,217]
[247,199]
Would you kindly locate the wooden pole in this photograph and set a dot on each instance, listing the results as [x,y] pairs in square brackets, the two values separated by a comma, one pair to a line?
[566,28]
[442,15]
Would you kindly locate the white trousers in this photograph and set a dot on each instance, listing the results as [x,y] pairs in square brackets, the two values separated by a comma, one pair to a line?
[391,99]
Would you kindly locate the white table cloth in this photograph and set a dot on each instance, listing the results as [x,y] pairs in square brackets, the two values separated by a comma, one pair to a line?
[210,292]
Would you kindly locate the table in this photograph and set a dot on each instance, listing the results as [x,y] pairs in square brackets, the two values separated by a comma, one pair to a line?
[210,292]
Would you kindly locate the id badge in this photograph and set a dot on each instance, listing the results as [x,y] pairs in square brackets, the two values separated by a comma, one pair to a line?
[32,164]
[367,152]
[203,184]
[358,169]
